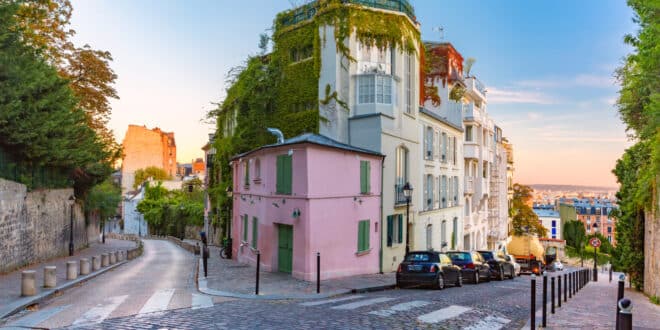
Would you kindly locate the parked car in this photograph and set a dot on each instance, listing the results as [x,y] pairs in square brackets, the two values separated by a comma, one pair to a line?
[516,266]
[500,268]
[422,268]
[472,264]
[557,265]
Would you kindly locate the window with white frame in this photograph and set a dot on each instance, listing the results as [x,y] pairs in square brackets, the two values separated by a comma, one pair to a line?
[443,233]
[428,192]
[374,88]
[443,192]
[468,133]
[429,237]
[408,83]
[454,149]
[456,190]
[443,154]
[401,173]
[428,140]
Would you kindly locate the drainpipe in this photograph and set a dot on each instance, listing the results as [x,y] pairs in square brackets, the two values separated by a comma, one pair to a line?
[278,133]
[380,219]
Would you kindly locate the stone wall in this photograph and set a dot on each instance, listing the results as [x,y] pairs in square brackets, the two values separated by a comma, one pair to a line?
[652,254]
[35,225]
[213,236]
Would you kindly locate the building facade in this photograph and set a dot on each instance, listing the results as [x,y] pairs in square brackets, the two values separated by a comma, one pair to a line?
[596,215]
[143,148]
[305,195]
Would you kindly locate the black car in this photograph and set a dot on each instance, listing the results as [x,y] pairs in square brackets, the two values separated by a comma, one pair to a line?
[428,268]
[500,268]
[472,264]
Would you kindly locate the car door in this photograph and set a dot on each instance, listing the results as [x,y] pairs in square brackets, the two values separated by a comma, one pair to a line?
[485,268]
[448,268]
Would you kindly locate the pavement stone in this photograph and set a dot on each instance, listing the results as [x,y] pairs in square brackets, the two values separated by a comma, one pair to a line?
[238,280]
[10,283]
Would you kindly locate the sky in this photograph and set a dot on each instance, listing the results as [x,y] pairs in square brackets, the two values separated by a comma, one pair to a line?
[548,67]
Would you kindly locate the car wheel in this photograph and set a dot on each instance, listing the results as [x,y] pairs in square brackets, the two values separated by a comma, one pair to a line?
[440,282]
[488,276]
[501,274]
[476,277]
[512,274]
[459,280]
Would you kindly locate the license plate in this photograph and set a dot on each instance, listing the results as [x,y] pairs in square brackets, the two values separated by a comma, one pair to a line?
[415,268]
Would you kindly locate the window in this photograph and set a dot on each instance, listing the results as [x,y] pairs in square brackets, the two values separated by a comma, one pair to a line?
[255,231]
[375,89]
[365,176]
[453,233]
[246,174]
[408,83]
[401,173]
[257,169]
[245,228]
[554,232]
[609,230]
[450,153]
[443,156]
[450,192]
[394,229]
[443,234]
[363,235]
[485,169]
[428,192]
[454,149]
[455,190]
[283,185]
[554,223]
[428,140]
[468,133]
[429,237]
[443,191]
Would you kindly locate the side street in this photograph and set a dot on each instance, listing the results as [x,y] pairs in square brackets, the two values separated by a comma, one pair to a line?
[329,164]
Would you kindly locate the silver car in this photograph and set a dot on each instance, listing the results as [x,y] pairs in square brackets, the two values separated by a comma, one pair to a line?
[516,266]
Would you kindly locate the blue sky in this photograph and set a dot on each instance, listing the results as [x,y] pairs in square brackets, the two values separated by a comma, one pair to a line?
[547,67]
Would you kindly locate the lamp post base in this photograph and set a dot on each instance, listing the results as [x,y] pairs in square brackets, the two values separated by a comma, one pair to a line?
[70,249]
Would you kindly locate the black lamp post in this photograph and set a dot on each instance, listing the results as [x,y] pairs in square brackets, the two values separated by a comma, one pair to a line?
[595,227]
[72,201]
[407,192]
[230,195]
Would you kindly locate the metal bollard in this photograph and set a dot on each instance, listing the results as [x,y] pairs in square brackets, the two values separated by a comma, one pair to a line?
[318,272]
[565,287]
[545,299]
[619,296]
[610,274]
[256,289]
[50,277]
[28,283]
[96,263]
[559,291]
[625,315]
[532,316]
[570,285]
[552,295]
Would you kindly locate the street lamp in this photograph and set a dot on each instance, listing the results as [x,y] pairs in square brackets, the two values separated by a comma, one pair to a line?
[230,195]
[72,201]
[595,227]
[407,192]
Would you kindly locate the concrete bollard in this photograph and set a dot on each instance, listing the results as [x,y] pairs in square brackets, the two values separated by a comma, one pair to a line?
[96,263]
[120,255]
[28,285]
[113,258]
[71,270]
[84,266]
[50,276]
[105,260]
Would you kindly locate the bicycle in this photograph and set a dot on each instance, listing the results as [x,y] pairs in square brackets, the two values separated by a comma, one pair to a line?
[225,250]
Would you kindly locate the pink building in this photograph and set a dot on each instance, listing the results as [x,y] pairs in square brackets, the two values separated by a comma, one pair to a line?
[306,195]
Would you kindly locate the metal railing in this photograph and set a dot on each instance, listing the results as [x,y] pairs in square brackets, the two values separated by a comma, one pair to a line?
[33,177]
[399,196]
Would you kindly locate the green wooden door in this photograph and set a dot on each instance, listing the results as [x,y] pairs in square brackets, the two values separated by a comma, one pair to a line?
[285,248]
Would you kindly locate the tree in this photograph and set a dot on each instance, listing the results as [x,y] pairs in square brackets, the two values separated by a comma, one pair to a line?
[575,235]
[103,199]
[169,211]
[153,172]
[638,170]
[524,220]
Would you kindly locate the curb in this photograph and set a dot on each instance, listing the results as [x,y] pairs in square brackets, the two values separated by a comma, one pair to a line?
[23,302]
[202,286]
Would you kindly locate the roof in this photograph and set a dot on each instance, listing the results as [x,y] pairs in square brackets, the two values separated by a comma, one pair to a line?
[313,139]
[545,213]
[440,118]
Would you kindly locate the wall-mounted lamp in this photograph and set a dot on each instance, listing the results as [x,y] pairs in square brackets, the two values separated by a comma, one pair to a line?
[283,201]
[275,204]
[290,153]
[355,199]
[296,213]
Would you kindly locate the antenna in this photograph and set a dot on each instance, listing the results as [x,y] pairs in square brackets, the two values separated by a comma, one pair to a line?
[440,31]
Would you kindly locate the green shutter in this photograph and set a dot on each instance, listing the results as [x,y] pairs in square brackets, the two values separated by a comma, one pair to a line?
[390,230]
[363,176]
[363,235]
[400,228]
[368,176]
[287,174]
[279,170]
[245,228]
[247,173]
[255,231]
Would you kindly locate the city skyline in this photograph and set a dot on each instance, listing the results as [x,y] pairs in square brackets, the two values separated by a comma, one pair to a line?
[544,80]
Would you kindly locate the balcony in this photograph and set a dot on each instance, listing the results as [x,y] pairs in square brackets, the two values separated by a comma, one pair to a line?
[308,11]
[471,150]
[470,112]
[469,185]
[475,88]
[399,197]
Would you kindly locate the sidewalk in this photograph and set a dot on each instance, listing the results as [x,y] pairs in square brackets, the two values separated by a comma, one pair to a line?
[229,278]
[594,308]
[10,283]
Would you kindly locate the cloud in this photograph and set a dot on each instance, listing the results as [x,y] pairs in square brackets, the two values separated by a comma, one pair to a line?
[580,80]
[500,95]
[589,80]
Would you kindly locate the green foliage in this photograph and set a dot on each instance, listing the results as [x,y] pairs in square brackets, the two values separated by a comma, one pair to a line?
[103,199]
[524,220]
[154,172]
[168,212]
[456,93]
[574,233]
[655,299]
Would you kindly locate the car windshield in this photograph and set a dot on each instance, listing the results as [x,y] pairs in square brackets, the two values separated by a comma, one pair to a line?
[487,255]
[459,256]
[420,257]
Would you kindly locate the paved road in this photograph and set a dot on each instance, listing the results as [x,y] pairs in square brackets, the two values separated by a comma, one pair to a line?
[492,305]
[162,279]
